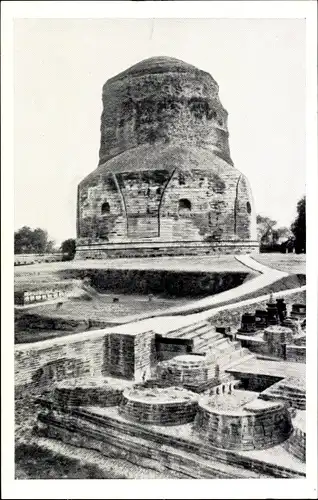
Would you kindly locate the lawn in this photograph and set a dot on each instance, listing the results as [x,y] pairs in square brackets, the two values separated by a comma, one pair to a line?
[289,263]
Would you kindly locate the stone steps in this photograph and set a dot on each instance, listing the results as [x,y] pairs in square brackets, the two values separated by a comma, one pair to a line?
[202,345]
[240,360]
[210,334]
[231,358]
[183,331]
[220,346]
[203,330]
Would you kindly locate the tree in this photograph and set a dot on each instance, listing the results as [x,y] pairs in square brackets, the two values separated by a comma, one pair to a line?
[68,247]
[27,240]
[283,233]
[298,227]
[272,238]
[265,229]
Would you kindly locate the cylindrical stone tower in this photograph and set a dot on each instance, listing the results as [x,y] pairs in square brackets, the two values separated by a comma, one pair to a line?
[165,183]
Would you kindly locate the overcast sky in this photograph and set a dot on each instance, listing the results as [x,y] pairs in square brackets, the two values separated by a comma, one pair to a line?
[60,66]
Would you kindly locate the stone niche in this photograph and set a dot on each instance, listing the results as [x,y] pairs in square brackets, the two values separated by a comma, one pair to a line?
[165,174]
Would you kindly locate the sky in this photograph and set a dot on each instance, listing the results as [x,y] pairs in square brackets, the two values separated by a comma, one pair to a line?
[60,66]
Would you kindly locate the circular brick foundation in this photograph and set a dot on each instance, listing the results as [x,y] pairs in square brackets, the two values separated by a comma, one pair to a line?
[185,370]
[240,422]
[159,406]
[88,392]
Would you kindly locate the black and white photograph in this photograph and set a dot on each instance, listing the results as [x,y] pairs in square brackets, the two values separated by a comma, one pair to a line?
[163,231]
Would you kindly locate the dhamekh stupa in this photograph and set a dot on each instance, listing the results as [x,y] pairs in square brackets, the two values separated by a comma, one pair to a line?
[165,183]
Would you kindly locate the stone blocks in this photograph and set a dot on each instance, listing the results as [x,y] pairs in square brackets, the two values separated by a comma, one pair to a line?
[159,406]
[296,444]
[187,370]
[277,337]
[88,392]
[255,425]
[130,356]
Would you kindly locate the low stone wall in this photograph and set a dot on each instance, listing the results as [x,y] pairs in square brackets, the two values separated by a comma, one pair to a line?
[120,355]
[296,444]
[28,321]
[243,429]
[31,359]
[154,448]
[159,406]
[33,258]
[107,251]
[25,298]
[296,353]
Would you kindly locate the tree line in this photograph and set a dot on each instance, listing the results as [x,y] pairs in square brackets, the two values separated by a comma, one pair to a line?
[37,241]
[273,238]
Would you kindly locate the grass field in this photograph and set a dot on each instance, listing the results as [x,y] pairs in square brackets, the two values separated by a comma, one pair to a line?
[101,307]
[288,263]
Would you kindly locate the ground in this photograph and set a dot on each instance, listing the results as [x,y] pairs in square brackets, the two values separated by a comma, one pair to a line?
[101,306]
[286,262]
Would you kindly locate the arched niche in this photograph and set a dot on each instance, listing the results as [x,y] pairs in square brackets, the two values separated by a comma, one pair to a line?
[105,209]
[184,207]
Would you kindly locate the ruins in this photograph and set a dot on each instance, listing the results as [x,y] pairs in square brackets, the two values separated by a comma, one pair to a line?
[201,399]
[209,388]
[165,183]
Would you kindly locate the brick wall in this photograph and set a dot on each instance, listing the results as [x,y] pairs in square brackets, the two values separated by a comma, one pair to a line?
[159,413]
[145,356]
[98,353]
[146,207]
[31,358]
[296,353]
[129,356]
[103,250]
[88,396]
[244,432]
[296,444]
[193,374]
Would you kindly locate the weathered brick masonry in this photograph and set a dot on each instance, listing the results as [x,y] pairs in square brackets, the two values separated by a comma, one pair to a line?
[256,425]
[131,357]
[165,183]
[159,406]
